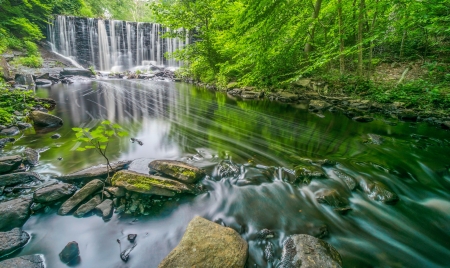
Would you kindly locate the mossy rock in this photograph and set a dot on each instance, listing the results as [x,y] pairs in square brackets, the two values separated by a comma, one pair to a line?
[149,184]
[178,170]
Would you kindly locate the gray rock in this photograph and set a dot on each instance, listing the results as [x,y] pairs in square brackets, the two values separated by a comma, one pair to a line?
[31,156]
[56,136]
[14,213]
[28,261]
[378,191]
[2,188]
[375,139]
[54,192]
[208,244]
[76,71]
[70,253]
[305,251]
[178,170]
[90,188]
[94,172]
[18,178]
[333,199]
[5,141]
[348,180]
[251,95]
[307,173]
[116,191]
[11,131]
[105,209]
[43,82]
[45,120]
[407,115]
[88,206]
[149,184]
[12,240]
[363,119]
[446,125]
[319,105]
[287,97]
[22,125]
[24,79]
[9,163]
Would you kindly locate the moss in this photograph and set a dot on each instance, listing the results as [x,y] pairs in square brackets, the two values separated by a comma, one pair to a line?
[146,182]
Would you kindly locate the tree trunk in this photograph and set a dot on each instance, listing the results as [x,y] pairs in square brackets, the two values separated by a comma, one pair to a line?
[360,38]
[315,15]
[341,40]
[372,27]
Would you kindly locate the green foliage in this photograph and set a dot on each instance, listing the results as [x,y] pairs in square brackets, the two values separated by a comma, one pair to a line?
[32,61]
[14,100]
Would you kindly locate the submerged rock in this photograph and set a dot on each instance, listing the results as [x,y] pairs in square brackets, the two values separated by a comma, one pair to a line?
[207,244]
[305,251]
[18,178]
[378,191]
[105,208]
[90,188]
[9,163]
[149,184]
[54,192]
[348,180]
[307,173]
[94,172]
[88,206]
[14,213]
[12,240]
[70,253]
[45,120]
[333,199]
[319,105]
[28,261]
[178,170]
[363,119]
[4,141]
[31,156]
[226,168]
[375,139]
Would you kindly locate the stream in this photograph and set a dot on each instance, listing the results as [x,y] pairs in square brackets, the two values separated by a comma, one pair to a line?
[182,122]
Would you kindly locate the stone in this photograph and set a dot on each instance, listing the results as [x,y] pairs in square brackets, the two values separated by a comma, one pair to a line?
[305,251]
[31,156]
[75,71]
[178,170]
[348,180]
[378,191]
[12,240]
[4,69]
[208,244]
[407,115]
[43,82]
[18,178]
[287,97]
[116,191]
[251,95]
[28,261]
[94,172]
[363,119]
[307,173]
[24,79]
[90,188]
[14,213]
[333,199]
[319,105]
[303,82]
[105,209]
[446,125]
[11,131]
[375,139]
[9,163]
[70,253]
[45,120]
[22,125]
[54,192]
[55,136]
[51,103]
[132,237]
[149,184]
[88,206]
[4,141]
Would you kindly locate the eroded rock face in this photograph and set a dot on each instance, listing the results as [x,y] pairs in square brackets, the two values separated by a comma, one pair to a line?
[28,261]
[87,190]
[208,244]
[378,191]
[149,184]
[18,178]
[8,163]
[45,120]
[88,206]
[105,208]
[54,192]
[94,172]
[178,170]
[305,251]
[12,240]
[14,213]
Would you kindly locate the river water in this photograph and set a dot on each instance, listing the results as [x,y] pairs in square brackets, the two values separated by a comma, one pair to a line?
[180,121]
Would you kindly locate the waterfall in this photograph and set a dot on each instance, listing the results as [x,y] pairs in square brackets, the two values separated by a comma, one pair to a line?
[111,44]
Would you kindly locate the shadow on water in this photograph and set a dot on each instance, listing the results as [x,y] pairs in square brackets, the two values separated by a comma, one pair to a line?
[179,121]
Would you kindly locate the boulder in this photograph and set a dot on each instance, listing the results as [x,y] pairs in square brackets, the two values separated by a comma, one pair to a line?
[28,261]
[55,136]
[24,79]
[43,82]
[348,180]
[70,253]
[363,119]
[31,156]
[75,71]
[307,173]
[287,97]
[208,244]
[54,192]
[45,120]
[9,163]
[90,188]
[94,172]
[11,131]
[105,209]
[18,178]
[88,206]
[407,115]
[251,95]
[22,125]
[378,191]
[305,251]
[116,191]
[14,213]
[319,105]
[333,199]
[4,141]
[12,240]
[178,170]
[149,184]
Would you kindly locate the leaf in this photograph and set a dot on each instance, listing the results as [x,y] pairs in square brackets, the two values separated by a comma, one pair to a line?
[77,129]
[122,133]
[109,132]
[116,126]
[103,147]
[106,122]
[90,147]
[81,149]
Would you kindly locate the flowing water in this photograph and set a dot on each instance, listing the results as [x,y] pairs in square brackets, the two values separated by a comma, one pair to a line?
[180,121]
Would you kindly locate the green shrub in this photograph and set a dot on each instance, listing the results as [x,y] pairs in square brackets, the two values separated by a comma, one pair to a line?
[32,61]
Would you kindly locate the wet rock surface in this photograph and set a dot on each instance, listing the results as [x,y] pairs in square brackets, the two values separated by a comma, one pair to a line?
[332,198]
[31,156]
[14,213]
[28,261]
[178,170]
[11,131]
[18,178]
[347,179]
[90,188]
[378,191]
[207,244]
[94,172]
[305,173]
[76,71]
[88,206]
[105,208]
[54,192]
[9,163]
[45,120]
[12,240]
[70,254]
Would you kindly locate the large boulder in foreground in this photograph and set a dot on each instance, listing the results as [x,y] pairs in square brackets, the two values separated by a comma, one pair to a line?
[208,244]
[12,240]
[305,251]
[45,120]
[178,170]
[94,172]
[9,163]
[18,178]
[28,261]
[54,192]
[14,213]
[149,184]
[87,190]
